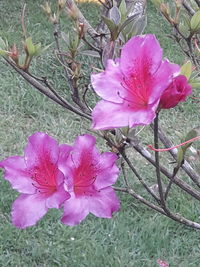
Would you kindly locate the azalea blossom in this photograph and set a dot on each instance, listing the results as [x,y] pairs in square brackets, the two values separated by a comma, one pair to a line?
[37,177]
[131,86]
[176,92]
[89,176]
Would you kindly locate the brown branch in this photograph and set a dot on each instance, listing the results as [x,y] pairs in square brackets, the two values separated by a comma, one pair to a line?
[157,160]
[189,9]
[36,84]
[175,217]
[23,21]
[138,176]
[197,2]
[183,185]
[186,166]
[140,198]
[70,4]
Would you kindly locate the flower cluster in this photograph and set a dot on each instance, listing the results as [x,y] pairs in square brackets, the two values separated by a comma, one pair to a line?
[136,85]
[134,88]
[50,175]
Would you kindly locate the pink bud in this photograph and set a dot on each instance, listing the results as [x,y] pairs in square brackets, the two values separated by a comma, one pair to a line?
[176,92]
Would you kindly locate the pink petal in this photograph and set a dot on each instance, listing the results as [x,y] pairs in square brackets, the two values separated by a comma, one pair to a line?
[108,83]
[108,171]
[64,151]
[108,115]
[27,210]
[75,211]
[41,146]
[141,55]
[57,198]
[165,73]
[104,203]
[84,147]
[17,174]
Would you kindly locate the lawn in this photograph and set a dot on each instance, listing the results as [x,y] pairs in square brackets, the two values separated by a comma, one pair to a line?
[135,236]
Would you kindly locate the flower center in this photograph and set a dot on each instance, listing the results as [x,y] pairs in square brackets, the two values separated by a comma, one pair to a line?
[84,177]
[44,177]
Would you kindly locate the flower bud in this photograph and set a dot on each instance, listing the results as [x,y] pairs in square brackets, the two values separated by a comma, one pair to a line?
[176,92]
[72,10]
[81,30]
[14,53]
[54,18]
[61,4]
[46,8]
[178,3]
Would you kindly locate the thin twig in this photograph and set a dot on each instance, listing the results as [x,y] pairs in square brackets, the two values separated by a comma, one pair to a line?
[36,84]
[180,183]
[186,166]
[189,9]
[138,176]
[175,217]
[157,160]
[92,46]
[23,21]
[140,198]
[197,2]
[176,169]
[124,173]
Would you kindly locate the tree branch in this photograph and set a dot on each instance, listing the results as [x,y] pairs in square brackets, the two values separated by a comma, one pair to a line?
[36,84]
[180,183]
[186,166]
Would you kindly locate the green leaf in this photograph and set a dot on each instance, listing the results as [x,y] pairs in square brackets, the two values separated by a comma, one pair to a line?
[109,23]
[90,53]
[180,157]
[3,45]
[45,48]
[157,2]
[195,83]
[139,26]
[195,21]
[129,20]
[65,37]
[186,69]
[123,11]
[30,46]
[3,52]
[113,28]
[115,15]
[38,49]
[182,150]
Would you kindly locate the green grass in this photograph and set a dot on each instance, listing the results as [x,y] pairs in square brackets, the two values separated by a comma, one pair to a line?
[135,236]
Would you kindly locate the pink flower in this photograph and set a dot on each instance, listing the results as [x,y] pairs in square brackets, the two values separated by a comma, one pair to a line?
[132,85]
[176,92]
[89,179]
[37,177]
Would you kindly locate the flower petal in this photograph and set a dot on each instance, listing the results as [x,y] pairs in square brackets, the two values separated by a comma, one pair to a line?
[108,171]
[75,210]
[108,115]
[108,83]
[57,198]
[141,55]
[104,203]
[27,210]
[165,73]
[84,148]
[17,174]
[64,152]
[41,146]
